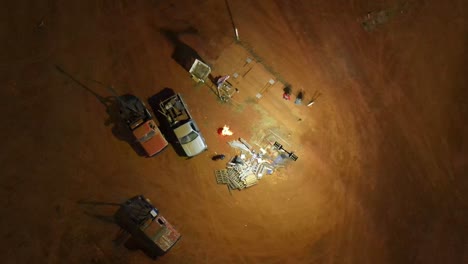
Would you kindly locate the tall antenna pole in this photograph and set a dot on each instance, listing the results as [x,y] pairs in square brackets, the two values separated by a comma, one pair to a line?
[236,32]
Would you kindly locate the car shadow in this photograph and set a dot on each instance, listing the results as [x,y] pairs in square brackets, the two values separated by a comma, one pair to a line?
[134,244]
[100,211]
[118,128]
[164,125]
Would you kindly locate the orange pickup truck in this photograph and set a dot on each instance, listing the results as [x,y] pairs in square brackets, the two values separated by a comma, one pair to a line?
[139,120]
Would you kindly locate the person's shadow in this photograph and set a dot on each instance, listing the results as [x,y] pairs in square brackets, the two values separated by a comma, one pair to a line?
[119,129]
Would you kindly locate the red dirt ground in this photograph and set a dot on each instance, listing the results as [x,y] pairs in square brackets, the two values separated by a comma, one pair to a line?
[383,153]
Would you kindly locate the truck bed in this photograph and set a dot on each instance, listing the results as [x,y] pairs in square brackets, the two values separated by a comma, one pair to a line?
[175,110]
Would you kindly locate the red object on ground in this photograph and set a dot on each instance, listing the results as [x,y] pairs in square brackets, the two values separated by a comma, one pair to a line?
[225,131]
[286,96]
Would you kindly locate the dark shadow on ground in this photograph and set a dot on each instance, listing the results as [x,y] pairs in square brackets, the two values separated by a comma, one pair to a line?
[123,238]
[105,212]
[133,244]
[104,218]
[97,203]
[119,129]
[164,125]
[99,210]
[183,54]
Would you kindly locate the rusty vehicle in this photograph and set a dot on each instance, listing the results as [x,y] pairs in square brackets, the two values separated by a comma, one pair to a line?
[146,227]
[140,121]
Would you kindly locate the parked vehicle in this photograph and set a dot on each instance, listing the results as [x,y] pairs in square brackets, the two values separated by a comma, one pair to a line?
[139,120]
[184,127]
[151,231]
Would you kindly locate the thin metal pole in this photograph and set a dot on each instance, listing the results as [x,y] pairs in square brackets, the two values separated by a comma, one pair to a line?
[236,32]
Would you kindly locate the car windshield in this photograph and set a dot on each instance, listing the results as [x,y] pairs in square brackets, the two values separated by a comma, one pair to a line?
[189,138]
[148,136]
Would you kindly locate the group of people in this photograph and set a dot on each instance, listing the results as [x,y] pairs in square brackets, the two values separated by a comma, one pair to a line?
[287,96]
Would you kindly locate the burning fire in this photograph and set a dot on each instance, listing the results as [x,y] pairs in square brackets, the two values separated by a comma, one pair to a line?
[226,131]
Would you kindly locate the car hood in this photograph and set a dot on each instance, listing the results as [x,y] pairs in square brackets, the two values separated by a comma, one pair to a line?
[150,138]
[194,147]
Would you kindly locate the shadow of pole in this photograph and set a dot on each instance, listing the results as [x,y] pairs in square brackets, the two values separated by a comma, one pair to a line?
[95,209]
[104,100]
[103,218]
[97,203]
[112,104]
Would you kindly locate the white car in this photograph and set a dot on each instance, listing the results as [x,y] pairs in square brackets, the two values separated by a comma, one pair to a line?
[190,138]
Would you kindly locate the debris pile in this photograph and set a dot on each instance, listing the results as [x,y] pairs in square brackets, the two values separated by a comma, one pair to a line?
[246,169]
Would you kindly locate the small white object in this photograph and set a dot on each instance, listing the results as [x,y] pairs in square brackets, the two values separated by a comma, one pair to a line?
[248,60]
[271,81]
[200,70]
[258,96]
[237,34]
[153,213]
[235,75]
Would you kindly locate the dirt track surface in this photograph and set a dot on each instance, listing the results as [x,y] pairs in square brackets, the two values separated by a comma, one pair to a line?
[383,153]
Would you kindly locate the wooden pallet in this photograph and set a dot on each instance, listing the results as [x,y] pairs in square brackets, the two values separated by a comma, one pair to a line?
[231,177]
[221,176]
[234,181]
[250,180]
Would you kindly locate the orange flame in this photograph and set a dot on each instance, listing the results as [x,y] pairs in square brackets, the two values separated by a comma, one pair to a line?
[226,131]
